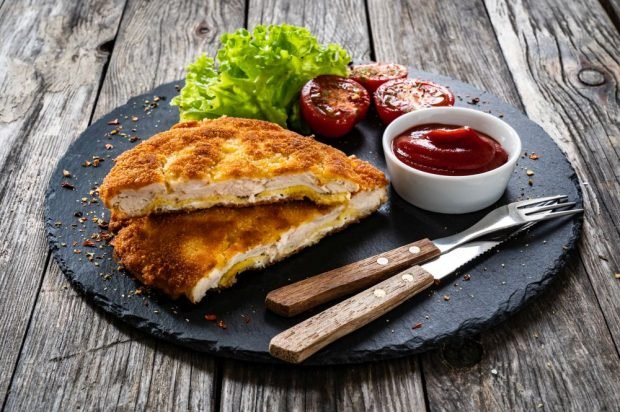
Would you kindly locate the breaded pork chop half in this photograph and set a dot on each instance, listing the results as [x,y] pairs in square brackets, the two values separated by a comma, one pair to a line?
[190,253]
[231,161]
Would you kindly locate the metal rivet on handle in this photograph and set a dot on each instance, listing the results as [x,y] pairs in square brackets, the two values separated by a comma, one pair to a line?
[407,277]
[382,261]
[380,293]
[414,249]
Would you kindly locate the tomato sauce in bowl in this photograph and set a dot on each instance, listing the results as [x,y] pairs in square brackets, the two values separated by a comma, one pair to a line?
[448,150]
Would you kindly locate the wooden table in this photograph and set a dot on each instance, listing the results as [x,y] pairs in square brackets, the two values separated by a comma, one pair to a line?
[65,63]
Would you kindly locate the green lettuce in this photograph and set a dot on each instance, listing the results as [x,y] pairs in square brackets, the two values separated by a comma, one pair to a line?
[258,75]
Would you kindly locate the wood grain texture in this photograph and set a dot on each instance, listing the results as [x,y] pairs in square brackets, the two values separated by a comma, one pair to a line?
[303,340]
[341,21]
[74,355]
[50,70]
[450,38]
[435,40]
[309,293]
[389,386]
[569,77]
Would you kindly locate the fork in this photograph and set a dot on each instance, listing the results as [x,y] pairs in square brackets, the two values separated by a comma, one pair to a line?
[298,297]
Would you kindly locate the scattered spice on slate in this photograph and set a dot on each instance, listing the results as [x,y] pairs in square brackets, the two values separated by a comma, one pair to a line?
[66,173]
[417,325]
[67,185]
[134,118]
[114,122]
[530,182]
[109,146]
[474,100]
[211,317]
[246,318]
[617,275]
[529,172]
[467,276]
[221,324]
[446,298]
[534,156]
[88,243]
[133,138]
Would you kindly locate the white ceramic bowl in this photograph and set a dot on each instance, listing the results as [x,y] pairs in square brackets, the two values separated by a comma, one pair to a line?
[451,194]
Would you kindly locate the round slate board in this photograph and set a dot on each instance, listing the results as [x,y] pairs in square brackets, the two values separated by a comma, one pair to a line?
[500,283]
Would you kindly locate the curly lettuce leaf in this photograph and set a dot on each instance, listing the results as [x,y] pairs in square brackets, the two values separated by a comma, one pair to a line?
[259,75]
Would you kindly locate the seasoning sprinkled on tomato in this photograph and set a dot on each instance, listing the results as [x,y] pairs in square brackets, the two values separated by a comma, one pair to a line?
[332,105]
[397,97]
[373,75]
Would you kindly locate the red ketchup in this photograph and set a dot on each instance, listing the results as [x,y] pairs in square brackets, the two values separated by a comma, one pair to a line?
[448,150]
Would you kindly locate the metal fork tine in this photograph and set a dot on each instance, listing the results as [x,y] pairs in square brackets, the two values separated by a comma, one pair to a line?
[553,215]
[538,209]
[531,202]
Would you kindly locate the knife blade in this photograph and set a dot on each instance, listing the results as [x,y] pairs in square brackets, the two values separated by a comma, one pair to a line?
[308,337]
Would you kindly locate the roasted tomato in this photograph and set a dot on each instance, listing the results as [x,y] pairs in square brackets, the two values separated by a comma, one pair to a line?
[397,97]
[331,105]
[373,75]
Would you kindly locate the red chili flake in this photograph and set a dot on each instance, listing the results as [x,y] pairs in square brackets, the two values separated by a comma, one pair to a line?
[417,326]
[67,185]
[211,318]
[114,122]
[88,243]
[246,318]
[466,276]
[221,324]
[109,146]
[534,156]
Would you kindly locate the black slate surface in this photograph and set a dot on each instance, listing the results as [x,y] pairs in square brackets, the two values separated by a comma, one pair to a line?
[500,284]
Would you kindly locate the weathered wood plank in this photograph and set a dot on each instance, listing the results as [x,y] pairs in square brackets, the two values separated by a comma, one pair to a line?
[466,48]
[50,70]
[395,385]
[342,21]
[565,62]
[74,356]
[386,386]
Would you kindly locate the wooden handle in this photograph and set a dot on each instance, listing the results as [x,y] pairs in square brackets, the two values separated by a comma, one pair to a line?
[308,337]
[298,297]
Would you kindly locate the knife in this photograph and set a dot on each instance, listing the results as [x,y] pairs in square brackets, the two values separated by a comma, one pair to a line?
[308,337]
[306,294]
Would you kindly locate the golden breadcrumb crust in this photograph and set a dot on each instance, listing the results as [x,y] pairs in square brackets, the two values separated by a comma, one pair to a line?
[172,252]
[232,148]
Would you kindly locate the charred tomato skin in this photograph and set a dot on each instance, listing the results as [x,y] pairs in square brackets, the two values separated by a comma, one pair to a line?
[397,97]
[373,75]
[332,105]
